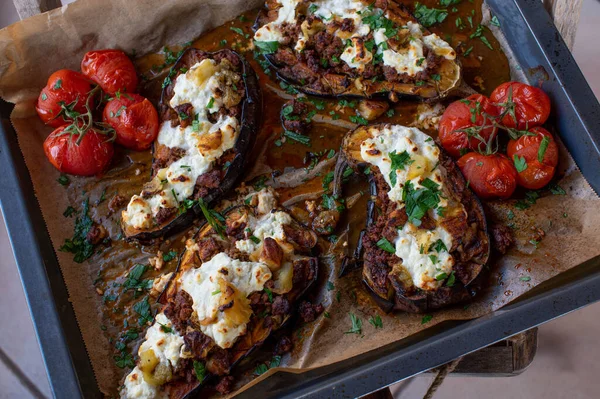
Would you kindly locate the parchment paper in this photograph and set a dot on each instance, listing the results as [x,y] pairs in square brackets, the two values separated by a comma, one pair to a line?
[31,50]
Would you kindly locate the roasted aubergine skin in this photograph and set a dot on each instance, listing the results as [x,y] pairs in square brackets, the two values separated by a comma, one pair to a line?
[285,255]
[392,287]
[242,101]
[321,66]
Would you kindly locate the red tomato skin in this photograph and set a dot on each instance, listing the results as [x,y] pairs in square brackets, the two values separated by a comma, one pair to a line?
[489,176]
[63,86]
[458,116]
[136,124]
[532,105]
[111,69]
[91,157]
[538,174]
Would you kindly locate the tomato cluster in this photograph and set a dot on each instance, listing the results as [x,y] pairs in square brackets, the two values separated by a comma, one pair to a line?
[469,130]
[91,110]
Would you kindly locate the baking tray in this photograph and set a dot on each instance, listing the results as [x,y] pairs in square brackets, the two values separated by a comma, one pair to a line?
[538,47]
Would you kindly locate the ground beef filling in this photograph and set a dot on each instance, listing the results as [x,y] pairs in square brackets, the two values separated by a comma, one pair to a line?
[322,55]
[469,242]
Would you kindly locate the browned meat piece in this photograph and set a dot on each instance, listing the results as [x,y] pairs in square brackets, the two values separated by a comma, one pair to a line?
[116,203]
[271,254]
[305,239]
[210,179]
[165,156]
[285,56]
[225,385]
[96,234]
[325,222]
[179,310]
[284,345]
[502,237]
[198,344]
[309,312]
[304,270]
[219,362]
[209,247]
[185,112]
[293,117]
[347,25]
[164,214]
[281,306]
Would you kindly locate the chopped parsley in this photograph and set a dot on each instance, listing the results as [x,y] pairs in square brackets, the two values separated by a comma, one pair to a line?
[134,279]
[199,370]
[210,104]
[525,278]
[142,308]
[419,201]
[57,84]
[69,212]
[438,246]
[376,321]
[426,319]
[451,280]
[399,161]
[386,245]
[305,140]
[358,119]
[429,16]
[63,180]
[356,325]
[213,218]
[543,148]
[269,294]
[520,163]
[79,245]
[266,47]
[169,256]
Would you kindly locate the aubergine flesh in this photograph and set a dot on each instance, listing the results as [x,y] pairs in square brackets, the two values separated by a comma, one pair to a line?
[361,48]
[426,239]
[237,282]
[209,119]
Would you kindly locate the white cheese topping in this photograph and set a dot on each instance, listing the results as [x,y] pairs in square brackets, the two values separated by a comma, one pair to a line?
[207,287]
[202,142]
[167,348]
[413,244]
[135,387]
[409,59]
[269,225]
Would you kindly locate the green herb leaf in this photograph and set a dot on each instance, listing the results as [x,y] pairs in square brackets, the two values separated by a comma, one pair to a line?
[142,308]
[525,278]
[543,148]
[330,286]
[356,325]
[57,84]
[386,245]
[199,370]
[269,294]
[266,47]
[451,280]
[438,246]
[520,163]
[557,190]
[426,319]
[237,30]
[376,321]
[169,256]
[297,137]
[63,180]
[399,161]
[69,212]
[429,16]
[79,244]
[211,218]
[210,104]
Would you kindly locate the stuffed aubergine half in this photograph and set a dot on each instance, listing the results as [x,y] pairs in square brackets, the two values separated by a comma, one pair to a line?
[237,283]
[355,48]
[209,114]
[426,239]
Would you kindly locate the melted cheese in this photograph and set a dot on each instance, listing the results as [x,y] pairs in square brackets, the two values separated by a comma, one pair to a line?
[202,145]
[412,244]
[409,60]
[269,225]
[168,347]
[204,286]
[135,387]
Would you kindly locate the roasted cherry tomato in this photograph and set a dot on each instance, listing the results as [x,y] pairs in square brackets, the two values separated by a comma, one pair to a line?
[467,124]
[529,105]
[535,156]
[64,96]
[89,157]
[135,120]
[111,69]
[489,176]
